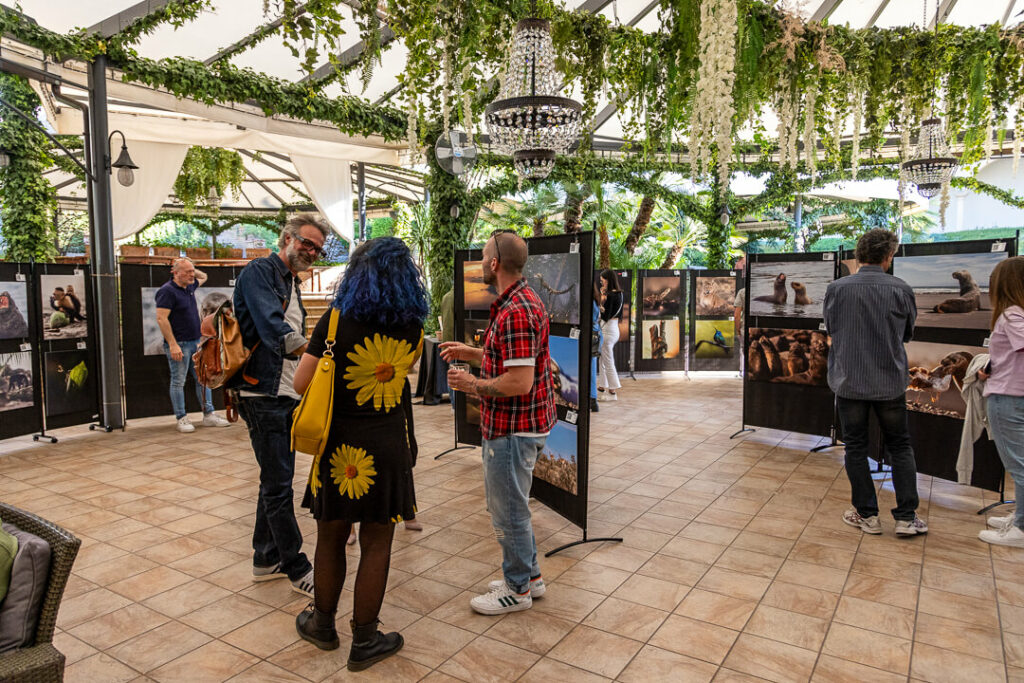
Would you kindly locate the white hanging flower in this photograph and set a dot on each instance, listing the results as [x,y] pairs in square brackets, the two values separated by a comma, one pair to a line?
[811,133]
[988,136]
[858,122]
[944,202]
[713,109]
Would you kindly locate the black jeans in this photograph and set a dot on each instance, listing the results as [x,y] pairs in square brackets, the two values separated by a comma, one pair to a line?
[276,537]
[892,418]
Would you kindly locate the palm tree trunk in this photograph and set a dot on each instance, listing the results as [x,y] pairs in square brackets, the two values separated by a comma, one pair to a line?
[538,226]
[573,213]
[605,247]
[673,255]
[643,219]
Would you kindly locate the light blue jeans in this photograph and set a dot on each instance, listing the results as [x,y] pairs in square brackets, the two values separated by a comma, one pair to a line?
[508,475]
[180,370]
[1006,424]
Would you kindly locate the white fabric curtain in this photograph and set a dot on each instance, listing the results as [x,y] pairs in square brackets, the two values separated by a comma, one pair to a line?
[158,166]
[329,183]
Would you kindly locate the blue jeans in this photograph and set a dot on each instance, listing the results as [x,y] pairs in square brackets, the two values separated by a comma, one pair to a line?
[1006,424]
[508,475]
[276,537]
[892,418]
[180,370]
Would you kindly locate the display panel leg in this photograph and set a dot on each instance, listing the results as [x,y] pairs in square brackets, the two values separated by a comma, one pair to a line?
[833,444]
[581,542]
[452,450]
[1002,499]
[43,435]
[742,431]
[99,426]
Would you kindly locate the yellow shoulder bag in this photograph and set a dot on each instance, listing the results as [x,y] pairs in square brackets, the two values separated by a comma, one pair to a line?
[312,421]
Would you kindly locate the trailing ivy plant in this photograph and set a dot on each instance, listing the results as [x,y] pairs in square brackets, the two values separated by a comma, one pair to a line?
[206,169]
[27,199]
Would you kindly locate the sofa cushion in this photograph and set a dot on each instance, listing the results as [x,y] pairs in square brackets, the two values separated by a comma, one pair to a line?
[8,549]
[30,573]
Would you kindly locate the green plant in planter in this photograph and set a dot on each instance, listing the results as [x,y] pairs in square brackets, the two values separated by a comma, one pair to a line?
[206,169]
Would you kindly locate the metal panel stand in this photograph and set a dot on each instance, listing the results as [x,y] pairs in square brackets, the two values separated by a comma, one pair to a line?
[581,542]
[741,431]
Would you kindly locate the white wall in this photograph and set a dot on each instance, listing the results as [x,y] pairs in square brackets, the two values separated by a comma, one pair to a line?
[969,209]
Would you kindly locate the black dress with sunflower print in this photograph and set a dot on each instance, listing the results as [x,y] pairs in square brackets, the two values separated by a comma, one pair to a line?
[365,472]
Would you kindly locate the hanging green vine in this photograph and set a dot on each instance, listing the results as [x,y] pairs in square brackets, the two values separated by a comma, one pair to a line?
[206,169]
[27,199]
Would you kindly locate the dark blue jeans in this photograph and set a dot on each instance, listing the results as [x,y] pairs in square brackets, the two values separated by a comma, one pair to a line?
[180,370]
[276,537]
[892,418]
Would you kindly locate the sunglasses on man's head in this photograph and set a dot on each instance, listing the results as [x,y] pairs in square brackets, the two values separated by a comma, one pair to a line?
[309,245]
[497,247]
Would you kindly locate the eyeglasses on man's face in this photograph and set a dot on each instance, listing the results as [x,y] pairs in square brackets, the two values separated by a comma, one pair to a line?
[308,245]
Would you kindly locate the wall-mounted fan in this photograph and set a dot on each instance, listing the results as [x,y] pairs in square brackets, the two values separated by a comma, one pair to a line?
[455,152]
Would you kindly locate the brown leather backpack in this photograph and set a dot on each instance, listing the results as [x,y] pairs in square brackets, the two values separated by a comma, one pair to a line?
[221,352]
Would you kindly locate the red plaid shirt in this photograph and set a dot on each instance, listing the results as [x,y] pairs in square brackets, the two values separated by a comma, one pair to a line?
[518,335]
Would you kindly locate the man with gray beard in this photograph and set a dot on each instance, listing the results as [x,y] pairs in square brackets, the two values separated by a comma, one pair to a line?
[269,310]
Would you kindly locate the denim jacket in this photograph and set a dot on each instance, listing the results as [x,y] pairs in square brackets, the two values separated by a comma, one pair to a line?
[262,291]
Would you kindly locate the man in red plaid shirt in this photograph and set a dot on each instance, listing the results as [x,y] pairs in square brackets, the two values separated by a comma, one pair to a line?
[517,411]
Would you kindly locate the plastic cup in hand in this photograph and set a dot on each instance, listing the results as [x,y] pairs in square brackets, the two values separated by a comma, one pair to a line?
[459,367]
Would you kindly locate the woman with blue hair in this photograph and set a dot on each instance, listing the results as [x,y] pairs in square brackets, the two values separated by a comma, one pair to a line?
[365,472]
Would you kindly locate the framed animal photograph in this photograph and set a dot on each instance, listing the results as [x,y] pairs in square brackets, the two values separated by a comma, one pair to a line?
[556,280]
[789,289]
[937,374]
[788,356]
[13,310]
[662,297]
[951,290]
[557,462]
[65,307]
[477,295]
[660,339]
[715,297]
[714,339]
[16,381]
[208,299]
[69,382]
[565,364]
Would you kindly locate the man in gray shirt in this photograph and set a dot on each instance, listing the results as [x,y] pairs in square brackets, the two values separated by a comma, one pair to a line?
[870,316]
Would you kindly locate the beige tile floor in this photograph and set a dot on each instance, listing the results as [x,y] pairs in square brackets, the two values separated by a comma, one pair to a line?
[735,565]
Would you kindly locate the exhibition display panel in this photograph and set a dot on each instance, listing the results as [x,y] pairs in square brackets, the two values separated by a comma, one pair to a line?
[713,340]
[660,320]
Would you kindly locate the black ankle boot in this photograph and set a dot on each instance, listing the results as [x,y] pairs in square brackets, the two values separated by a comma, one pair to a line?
[317,627]
[369,645]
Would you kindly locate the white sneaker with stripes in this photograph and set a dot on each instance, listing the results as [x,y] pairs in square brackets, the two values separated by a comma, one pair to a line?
[501,600]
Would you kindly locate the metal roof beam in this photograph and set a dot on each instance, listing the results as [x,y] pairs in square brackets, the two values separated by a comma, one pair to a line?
[117,22]
[270,164]
[1009,9]
[266,187]
[878,12]
[825,10]
[349,56]
[944,9]
[240,45]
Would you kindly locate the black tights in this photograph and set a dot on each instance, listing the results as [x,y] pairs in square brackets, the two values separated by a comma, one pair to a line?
[374,562]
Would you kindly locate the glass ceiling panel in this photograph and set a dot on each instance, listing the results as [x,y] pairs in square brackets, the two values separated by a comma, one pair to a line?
[229,22]
[65,15]
[977,12]
[906,13]
[855,13]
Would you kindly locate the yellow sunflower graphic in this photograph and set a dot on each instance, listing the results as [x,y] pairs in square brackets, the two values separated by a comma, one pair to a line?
[379,370]
[351,470]
[314,476]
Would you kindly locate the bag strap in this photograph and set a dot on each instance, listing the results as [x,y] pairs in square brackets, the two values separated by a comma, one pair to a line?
[332,331]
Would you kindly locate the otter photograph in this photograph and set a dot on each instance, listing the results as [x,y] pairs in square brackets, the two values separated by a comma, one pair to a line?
[556,463]
[951,290]
[565,364]
[713,338]
[16,381]
[13,310]
[936,377]
[662,296]
[715,296]
[793,289]
[64,307]
[477,295]
[660,339]
[556,280]
[207,298]
[788,356]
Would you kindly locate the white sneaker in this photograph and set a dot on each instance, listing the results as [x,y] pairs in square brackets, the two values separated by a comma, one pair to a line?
[1000,522]
[537,587]
[912,528]
[501,600]
[613,396]
[1011,535]
[304,584]
[214,420]
[185,426]
[869,525]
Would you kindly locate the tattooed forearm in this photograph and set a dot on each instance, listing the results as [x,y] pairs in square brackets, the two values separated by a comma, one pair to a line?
[486,387]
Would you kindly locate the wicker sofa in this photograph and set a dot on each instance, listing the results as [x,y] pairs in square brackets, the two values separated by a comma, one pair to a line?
[41,662]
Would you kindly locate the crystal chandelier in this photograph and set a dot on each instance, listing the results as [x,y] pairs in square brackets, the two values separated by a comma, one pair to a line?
[530,120]
[932,164]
